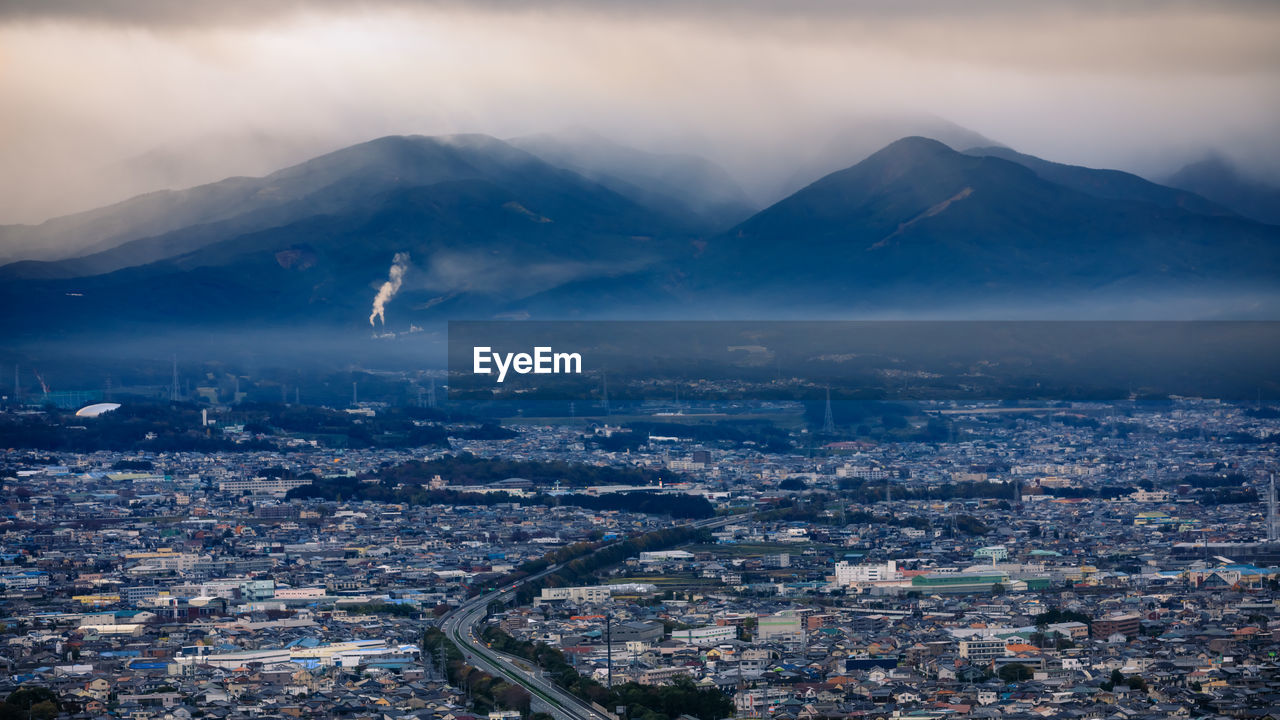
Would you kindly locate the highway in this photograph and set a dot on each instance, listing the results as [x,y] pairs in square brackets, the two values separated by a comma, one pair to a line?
[459,625]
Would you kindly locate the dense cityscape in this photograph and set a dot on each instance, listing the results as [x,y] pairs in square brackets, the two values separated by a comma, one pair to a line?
[581,360]
[1088,560]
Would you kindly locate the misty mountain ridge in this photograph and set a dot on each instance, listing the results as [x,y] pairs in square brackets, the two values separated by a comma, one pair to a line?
[918,218]
[821,152]
[491,230]
[1112,184]
[1217,179]
[687,188]
[353,180]
[475,216]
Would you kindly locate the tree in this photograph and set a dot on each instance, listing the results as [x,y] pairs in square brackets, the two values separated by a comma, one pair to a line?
[971,525]
[30,702]
[894,422]
[1055,615]
[515,698]
[1015,672]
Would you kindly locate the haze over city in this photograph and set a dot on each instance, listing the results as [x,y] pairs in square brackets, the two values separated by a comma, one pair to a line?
[707,360]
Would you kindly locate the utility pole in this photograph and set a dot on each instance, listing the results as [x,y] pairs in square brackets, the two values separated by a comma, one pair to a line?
[608,641]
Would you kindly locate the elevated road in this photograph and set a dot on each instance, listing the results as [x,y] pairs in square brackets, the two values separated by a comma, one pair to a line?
[459,625]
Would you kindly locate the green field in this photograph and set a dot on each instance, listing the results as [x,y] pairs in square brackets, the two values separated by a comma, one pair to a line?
[675,581]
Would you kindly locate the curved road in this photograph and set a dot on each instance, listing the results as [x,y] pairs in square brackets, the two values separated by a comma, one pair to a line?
[459,626]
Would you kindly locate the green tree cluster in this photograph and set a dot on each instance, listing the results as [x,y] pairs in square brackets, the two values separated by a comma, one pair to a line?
[645,702]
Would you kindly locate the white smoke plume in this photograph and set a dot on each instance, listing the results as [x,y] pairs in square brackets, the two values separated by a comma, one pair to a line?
[395,276]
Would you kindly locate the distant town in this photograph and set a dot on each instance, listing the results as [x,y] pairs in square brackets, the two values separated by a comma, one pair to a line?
[1086,560]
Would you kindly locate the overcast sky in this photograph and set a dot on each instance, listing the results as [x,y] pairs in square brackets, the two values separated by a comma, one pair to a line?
[199,90]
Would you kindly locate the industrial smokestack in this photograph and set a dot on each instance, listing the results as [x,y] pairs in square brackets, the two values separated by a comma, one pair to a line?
[395,276]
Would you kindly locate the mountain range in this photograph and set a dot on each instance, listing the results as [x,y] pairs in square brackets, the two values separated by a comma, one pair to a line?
[573,225]
[920,220]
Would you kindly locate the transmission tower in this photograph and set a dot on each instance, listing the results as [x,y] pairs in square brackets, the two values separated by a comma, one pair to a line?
[829,419]
[173,391]
[605,394]
[1273,522]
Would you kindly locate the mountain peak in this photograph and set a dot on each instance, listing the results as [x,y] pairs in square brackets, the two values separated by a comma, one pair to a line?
[915,145]
[904,156]
[918,214]
[1221,181]
[1212,168]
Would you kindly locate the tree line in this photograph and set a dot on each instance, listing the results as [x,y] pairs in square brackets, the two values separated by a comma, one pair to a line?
[467,469]
[488,693]
[676,505]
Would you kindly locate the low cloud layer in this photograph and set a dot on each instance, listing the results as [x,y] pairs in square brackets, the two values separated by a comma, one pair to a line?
[106,98]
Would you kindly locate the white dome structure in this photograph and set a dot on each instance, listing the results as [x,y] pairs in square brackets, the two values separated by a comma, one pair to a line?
[96,409]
